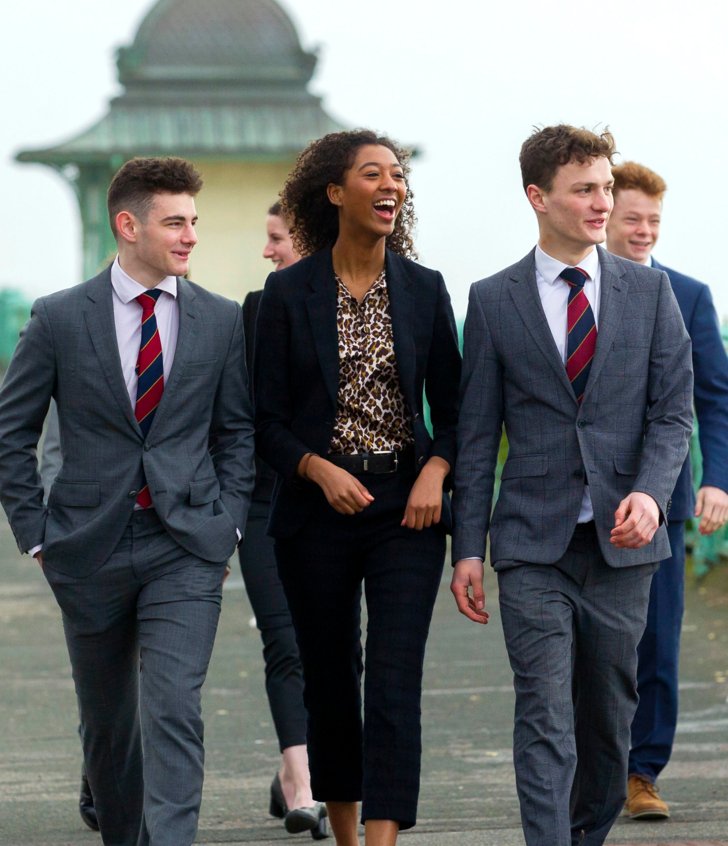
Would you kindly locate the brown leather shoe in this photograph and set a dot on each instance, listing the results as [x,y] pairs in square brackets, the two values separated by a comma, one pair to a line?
[643,800]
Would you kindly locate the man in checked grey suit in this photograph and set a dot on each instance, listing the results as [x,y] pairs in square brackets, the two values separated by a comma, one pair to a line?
[140,520]
[580,519]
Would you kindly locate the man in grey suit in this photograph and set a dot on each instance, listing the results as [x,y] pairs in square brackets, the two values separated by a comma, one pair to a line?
[148,374]
[585,360]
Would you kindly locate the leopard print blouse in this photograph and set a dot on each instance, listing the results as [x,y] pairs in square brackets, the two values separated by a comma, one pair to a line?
[371,415]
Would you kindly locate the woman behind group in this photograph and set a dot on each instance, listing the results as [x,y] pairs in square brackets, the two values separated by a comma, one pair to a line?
[346,340]
[290,792]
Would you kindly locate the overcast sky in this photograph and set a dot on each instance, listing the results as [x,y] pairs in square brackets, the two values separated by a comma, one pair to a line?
[464,81]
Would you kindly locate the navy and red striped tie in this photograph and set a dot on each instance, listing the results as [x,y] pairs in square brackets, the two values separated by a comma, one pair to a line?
[581,329]
[150,374]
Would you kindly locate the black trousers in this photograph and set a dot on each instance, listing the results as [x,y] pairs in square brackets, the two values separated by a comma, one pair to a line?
[283,673]
[322,568]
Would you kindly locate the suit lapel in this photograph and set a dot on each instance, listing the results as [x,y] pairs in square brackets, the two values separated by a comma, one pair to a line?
[527,301]
[189,324]
[99,317]
[612,302]
[401,308]
[321,307]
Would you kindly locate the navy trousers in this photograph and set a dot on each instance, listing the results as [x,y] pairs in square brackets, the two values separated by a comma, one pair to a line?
[323,568]
[653,727]
[283,672]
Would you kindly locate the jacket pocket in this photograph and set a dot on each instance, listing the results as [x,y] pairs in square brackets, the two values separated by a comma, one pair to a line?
[75,494]
[203,491]
[627,464]
[525,465]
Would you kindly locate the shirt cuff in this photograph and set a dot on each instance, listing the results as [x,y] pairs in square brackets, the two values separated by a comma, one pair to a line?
[35,549]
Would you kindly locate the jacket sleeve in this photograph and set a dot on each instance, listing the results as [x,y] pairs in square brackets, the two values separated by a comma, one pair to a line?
[443,376]
[478,435]
[276,443]
[710,366]
[24,400]
[669,418]
[231,429]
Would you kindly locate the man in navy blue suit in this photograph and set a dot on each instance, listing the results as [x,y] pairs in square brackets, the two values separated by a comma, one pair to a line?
[632,232]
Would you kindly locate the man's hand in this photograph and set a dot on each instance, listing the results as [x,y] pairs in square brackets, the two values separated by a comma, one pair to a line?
[39,558]
[635,521]
[712,507]
[343,492]
[467,574]
[424,504]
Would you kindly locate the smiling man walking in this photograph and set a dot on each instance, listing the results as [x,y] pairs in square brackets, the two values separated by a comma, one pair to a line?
[148,373]
[585,360]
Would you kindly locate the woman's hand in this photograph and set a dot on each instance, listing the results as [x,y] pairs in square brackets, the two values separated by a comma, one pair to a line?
[343,492]
[424,504]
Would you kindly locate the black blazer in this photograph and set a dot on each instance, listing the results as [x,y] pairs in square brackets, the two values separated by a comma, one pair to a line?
[296,369]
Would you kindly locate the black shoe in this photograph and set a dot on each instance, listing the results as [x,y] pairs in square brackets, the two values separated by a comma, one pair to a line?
[86,804]
[321,832]
[277,807]
[305,819]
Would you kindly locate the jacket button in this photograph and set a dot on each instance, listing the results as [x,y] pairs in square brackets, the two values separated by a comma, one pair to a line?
[132,494]
[582,423]
[147,447]
[416,416]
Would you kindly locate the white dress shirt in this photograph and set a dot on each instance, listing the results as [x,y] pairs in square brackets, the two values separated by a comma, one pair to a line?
[554,294]
[128,323]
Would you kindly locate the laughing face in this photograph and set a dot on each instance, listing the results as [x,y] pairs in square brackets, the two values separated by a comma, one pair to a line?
[371,194]
[634,225]
[573,214]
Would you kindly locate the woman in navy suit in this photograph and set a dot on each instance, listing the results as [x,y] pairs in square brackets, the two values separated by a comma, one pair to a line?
[347,339]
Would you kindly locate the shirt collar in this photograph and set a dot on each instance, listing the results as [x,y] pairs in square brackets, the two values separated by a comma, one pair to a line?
[550,268]
[128,289]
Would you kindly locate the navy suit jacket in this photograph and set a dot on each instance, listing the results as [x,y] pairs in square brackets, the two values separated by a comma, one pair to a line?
[710,368]
[296,370]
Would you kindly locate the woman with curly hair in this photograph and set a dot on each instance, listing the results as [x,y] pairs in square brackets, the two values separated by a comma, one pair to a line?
[347,339]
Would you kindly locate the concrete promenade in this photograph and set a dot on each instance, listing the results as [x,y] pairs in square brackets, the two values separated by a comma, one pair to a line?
[468,794]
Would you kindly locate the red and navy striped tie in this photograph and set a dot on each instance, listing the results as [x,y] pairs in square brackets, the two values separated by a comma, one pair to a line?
[582,331]
[150,375]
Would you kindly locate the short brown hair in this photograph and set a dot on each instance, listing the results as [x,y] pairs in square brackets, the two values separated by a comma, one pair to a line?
[136,182]
[552,147]
[637,177]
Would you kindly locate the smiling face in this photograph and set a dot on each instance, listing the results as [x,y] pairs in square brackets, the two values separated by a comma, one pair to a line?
[371,194]
[634,225]
[572,215]
[279,247]
[160,244]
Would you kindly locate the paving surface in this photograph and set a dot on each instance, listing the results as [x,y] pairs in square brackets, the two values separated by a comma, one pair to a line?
[468,793]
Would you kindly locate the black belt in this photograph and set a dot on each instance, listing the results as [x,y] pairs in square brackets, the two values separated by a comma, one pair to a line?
[377,463]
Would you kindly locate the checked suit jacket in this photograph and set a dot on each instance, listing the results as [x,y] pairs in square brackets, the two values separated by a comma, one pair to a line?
[630,433]
[197,457]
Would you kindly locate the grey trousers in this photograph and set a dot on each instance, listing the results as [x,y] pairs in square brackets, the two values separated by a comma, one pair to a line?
[140,631]
[571,631]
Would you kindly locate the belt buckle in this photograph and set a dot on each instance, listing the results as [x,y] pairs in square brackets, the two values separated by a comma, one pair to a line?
[391,452]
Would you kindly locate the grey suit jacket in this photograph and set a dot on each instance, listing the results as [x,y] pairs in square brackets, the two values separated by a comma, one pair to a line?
[630,433]
[197,457]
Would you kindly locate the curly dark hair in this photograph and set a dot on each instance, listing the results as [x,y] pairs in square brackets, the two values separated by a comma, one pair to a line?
[138,180]
[550,148]
[314,220]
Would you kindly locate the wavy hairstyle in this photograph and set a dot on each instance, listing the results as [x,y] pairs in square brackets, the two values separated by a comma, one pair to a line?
[550,148]
[314,219]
